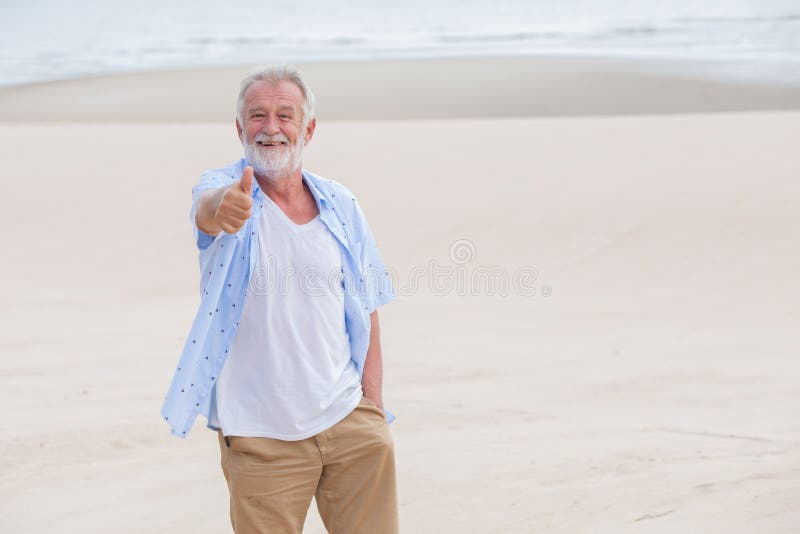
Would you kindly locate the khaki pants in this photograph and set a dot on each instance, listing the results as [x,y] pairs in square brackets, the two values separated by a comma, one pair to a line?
[349,468]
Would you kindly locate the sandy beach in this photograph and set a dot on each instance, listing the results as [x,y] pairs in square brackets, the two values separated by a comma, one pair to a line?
[509,87]
[638,374]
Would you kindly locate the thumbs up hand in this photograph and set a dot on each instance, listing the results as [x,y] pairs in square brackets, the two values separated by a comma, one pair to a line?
[234,205]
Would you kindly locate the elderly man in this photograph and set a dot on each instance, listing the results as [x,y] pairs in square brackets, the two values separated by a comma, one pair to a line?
[284,356]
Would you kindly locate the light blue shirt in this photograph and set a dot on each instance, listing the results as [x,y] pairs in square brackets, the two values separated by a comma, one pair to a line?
[226,263]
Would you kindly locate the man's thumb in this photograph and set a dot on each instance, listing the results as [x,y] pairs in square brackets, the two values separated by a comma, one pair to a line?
[246,183]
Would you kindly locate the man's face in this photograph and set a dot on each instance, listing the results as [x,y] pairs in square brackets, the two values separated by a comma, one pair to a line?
[272,130]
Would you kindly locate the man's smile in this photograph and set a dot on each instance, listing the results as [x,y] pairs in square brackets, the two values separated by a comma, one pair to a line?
[271,143]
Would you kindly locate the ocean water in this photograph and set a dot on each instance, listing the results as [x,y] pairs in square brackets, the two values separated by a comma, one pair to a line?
[49,39]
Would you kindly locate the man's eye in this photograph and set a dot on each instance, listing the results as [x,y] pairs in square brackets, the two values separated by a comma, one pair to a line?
[286,117]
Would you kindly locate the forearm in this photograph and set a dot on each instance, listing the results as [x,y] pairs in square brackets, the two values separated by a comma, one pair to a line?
[206,211]
[372,379]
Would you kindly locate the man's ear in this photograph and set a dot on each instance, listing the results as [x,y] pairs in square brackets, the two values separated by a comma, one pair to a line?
[309,133]
[239,130]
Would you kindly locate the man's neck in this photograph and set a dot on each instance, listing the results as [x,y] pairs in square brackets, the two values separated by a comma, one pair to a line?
[288,188]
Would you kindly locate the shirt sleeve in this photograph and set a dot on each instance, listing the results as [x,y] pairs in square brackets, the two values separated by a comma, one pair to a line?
[376,275]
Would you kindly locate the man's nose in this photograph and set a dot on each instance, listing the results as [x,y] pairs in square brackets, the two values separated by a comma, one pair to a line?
[271,125]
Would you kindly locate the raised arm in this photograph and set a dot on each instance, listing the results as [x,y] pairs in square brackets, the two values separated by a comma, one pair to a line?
[227,208]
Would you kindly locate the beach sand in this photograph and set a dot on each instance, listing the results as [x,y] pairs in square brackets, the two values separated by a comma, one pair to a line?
[650,383]
[420,89]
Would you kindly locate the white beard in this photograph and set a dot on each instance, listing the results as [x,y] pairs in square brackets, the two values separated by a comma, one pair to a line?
[273,163]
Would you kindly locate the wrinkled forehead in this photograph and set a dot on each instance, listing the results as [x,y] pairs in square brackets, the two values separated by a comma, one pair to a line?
[282,93]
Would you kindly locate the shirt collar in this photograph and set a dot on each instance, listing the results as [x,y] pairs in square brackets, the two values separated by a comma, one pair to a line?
[318,196]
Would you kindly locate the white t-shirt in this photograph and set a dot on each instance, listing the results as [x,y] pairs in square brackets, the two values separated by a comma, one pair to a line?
[288,374]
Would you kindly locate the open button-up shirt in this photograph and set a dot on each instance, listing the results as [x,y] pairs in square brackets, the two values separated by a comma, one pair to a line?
[226,264]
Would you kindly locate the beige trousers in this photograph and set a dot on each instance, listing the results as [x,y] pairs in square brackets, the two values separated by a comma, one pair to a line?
[349,468]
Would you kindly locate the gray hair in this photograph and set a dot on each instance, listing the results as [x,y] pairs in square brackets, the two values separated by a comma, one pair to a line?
[277,74]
